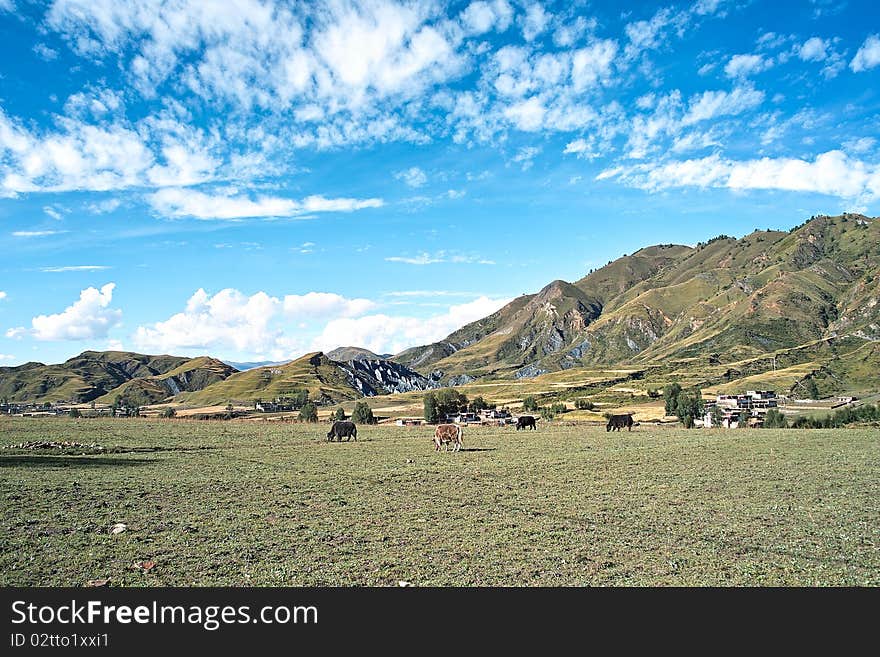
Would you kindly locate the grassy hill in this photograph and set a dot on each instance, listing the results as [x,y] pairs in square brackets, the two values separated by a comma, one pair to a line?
[343,354]
[102,376]
[313,372]
[325,379]
[191,376]
[82,378]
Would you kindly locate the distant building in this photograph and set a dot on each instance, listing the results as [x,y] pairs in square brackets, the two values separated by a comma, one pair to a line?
[730,411]
[410,421]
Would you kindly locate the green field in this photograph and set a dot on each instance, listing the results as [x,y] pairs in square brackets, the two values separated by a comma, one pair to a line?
[254,503]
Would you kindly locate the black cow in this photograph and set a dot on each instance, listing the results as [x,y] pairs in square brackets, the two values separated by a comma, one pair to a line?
[616,422]
[526,421]
[342,430]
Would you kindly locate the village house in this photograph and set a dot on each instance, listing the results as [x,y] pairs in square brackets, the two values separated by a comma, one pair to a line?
[410,421]
[730,411]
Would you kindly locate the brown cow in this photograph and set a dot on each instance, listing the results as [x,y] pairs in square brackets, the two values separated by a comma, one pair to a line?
[445,434]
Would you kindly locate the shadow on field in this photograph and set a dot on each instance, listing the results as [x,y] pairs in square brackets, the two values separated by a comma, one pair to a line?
[477,449]
[26,460]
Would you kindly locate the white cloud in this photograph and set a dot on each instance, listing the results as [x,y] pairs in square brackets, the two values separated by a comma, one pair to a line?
[481,17]
[707,7]
[177,202]
[36,233]
[88,318]
[592,64]
[741,66]
[6,357]
[645,35]
[3,295]
[814,50]
[711,104]
[413,177]
[228,319]
[103,207]
[52,212]
[255,324]
[388,334]
[868,56]
[325,304]
[527,115]
[832,173]
[84,156]
[525,156]
[425,258]
[56,270]
[45,52]
[860,145]
[429,293]
[16,333]
[535,21]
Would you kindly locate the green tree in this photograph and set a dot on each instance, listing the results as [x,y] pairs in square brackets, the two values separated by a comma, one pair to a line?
[670,394]
[478,404]
[169,412]
[362,414]
[775,420]
[450,401]
[689,407]
[431,410]
[74,412]
[339,415]
[308,413]
[811,389]
[530,404]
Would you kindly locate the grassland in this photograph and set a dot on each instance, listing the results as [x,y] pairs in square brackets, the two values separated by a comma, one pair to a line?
[255,503]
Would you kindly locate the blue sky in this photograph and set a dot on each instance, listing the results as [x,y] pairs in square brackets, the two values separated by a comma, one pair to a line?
[258,179]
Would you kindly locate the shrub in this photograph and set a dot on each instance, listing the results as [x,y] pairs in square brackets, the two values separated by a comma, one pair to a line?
[362,414]
[670,394]
[584,405]
[309,413]
[169,412]
[431,411]
[477,405]
[530,404]
[775,420]
[339,415]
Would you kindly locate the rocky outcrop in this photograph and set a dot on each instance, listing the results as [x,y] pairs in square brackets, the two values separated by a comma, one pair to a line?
[373,377]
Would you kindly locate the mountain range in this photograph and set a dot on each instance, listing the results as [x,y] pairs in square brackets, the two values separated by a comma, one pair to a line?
[800,304]
[724,301]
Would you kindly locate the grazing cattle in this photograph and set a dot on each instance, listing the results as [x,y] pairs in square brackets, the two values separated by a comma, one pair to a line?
[342,430]
[526,421]
[445,434]
[616,422]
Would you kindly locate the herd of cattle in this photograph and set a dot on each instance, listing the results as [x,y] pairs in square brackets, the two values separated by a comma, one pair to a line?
[451,434]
